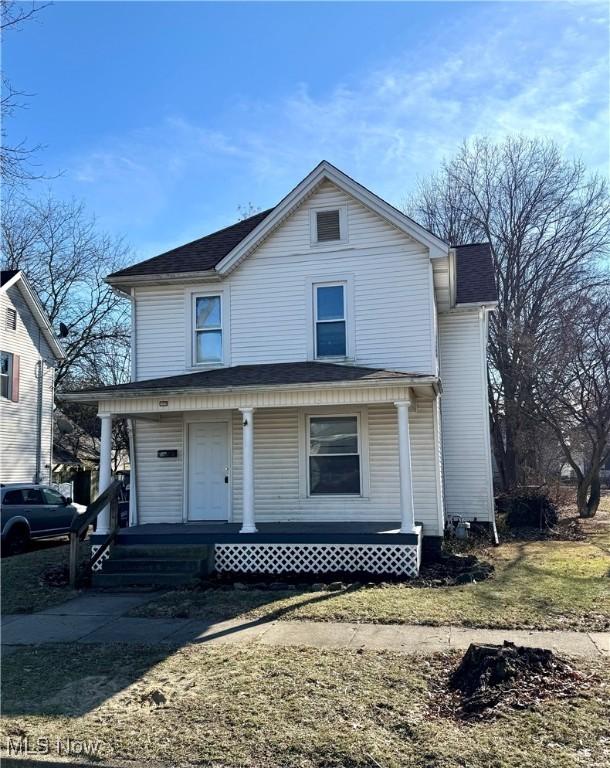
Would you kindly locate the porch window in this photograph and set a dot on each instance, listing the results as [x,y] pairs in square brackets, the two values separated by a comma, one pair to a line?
[6,375]
[334,455]
[330,320]
[208,329]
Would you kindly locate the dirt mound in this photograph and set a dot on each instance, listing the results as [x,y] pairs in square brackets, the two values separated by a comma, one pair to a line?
[493,678]
[451,569]
[55,576]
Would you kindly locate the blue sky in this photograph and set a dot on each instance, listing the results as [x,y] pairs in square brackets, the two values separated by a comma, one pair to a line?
[164,117]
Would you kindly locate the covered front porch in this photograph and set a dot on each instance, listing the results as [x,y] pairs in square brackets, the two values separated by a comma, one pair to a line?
[283,476]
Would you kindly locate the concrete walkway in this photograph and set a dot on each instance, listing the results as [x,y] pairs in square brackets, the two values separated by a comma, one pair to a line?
[100,618]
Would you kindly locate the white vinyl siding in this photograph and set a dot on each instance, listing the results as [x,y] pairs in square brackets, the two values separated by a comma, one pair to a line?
[279,495]
[465,416]
[18,420]
[270,314]
[160,481]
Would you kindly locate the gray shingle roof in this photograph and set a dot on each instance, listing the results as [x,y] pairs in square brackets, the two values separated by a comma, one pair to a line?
[198,256]
[265,375]
[475,279]
[474,265]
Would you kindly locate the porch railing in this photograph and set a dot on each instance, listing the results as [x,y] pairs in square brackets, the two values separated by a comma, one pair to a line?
[80,524]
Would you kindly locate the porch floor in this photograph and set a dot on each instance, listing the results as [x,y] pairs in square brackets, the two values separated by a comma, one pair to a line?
[179,534]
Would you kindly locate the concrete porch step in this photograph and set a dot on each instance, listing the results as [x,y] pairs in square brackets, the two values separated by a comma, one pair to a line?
[106,580]
[152,565]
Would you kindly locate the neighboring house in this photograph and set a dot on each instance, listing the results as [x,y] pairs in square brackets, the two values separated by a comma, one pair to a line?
[29,353]
[309,386]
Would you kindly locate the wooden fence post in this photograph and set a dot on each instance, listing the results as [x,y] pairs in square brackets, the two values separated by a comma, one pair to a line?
[73,558]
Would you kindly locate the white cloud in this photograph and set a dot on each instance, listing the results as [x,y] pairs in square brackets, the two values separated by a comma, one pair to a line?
[536,69]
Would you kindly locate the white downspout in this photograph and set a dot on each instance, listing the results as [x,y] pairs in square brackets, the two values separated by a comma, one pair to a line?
[40,376]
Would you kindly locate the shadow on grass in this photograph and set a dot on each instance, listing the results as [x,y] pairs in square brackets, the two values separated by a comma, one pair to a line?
[72,679]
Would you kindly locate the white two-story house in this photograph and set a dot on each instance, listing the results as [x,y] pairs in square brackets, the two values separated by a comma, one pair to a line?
[29,353]
[309,386]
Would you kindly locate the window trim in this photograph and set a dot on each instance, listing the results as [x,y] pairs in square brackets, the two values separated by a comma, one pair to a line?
[9,376]
[362,418]
[191,296]
[313,227]
[311,284]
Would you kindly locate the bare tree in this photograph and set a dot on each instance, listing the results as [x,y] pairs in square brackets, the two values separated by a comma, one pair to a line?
[66,259]
[548,223]
[15,159]
[572,390]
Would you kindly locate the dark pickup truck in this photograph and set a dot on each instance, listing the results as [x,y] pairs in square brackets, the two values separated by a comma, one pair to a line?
[32,511]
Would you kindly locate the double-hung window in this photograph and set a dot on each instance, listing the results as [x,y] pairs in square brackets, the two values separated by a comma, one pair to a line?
[207,329]
[330,320]
[6,375]
[333,455]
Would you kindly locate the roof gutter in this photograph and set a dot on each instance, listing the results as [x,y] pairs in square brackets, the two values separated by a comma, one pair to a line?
[96,395]
[488,305]
[165,277]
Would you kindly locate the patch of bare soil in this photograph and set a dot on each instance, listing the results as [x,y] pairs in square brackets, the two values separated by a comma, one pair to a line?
[59,575]
[491,679]
[55,576]
[452,569]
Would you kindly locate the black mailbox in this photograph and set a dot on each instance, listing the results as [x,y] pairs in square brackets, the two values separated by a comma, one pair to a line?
[172,453]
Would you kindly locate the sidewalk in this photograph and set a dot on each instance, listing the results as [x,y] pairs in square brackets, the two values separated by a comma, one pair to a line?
[99,618]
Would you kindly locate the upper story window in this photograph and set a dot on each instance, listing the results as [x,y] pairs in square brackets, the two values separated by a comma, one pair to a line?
[208,342]
[330,320]
[6,375]
[11,319]
[328,225]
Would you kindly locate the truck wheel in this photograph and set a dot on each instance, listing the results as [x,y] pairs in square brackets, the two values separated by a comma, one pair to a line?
[17,540]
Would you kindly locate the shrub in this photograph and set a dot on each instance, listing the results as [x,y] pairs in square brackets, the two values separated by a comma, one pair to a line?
[529,508]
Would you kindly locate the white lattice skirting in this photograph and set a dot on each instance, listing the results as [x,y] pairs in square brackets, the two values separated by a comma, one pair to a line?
[100,563]
[397,559]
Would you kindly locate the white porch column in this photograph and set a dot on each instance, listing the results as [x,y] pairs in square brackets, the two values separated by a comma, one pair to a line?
[407,519]
[248,523]
[103,520]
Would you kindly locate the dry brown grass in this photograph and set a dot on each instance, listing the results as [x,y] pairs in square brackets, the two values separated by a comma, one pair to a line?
[555,582]
[294,708]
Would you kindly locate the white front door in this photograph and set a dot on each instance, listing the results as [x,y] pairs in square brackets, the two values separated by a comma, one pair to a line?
[208,473]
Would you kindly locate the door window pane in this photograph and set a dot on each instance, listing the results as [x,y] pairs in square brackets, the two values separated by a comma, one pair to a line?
[51,496]
[330,302]
[12,497]
[32,496]
[209,346]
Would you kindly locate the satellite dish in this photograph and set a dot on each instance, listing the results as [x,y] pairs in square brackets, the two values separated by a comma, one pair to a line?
[63,330]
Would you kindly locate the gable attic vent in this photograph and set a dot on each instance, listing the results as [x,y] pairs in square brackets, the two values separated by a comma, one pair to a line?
[11,319]
[328,226]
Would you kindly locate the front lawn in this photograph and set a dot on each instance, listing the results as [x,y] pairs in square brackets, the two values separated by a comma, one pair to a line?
[23,590]
[542,584]
[263,707]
